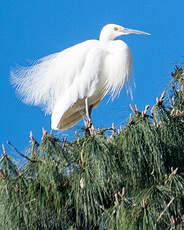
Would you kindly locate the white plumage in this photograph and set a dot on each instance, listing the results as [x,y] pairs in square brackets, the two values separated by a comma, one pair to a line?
[61,82]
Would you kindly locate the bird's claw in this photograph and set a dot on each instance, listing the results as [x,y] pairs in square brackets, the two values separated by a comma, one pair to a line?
[89,127]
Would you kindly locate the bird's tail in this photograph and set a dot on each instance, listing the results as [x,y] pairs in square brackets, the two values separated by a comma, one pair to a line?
[37,84]
[73,115]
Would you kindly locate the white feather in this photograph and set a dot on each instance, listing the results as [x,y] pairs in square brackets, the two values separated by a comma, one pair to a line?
[61,82]
[44,82]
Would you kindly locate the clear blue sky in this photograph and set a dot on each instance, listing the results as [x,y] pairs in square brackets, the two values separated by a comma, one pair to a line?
[32,29]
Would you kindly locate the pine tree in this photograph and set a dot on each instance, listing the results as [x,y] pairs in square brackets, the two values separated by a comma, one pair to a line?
[131,180]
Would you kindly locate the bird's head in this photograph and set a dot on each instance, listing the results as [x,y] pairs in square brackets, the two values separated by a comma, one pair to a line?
[112,31]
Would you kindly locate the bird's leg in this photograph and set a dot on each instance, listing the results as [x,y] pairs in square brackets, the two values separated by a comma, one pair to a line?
[87,109]
[88,123]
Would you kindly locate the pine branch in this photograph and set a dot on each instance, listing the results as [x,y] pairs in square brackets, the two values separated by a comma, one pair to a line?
[21,154]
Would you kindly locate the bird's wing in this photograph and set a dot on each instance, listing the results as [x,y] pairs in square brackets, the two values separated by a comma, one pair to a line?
[49,78]
[87,83]
[62,80]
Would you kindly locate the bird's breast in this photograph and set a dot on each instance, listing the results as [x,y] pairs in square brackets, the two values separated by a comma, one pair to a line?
[117,65]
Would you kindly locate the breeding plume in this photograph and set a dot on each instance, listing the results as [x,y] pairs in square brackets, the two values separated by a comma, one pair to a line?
[70,83]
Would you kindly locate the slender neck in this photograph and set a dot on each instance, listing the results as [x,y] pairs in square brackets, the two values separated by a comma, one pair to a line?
[104,36]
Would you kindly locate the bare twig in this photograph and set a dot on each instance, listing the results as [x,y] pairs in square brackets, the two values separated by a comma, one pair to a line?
[113,129]
[119,130]
[44,133]
[132,108]
[51,132]
[82,182]
[162,96]
[82,158]
[64,141]
[3,174]
[4,151]
[161,214]
[143,204]
[161,99]
[20,173]
[113,133]
[21,154]
[146,109]
[136,108]
[116,202]
[135,111]
[173,171]
[122,193]
[173,222]
[33,141]
[31,137]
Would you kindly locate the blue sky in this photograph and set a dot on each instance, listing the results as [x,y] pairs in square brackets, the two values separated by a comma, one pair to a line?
[33,29]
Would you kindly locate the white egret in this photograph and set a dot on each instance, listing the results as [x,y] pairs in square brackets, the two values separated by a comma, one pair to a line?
[70,83]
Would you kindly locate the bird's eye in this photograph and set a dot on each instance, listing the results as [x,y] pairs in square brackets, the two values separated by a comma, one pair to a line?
[116,28]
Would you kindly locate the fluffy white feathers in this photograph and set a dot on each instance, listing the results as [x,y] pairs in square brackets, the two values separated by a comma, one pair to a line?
[61,82]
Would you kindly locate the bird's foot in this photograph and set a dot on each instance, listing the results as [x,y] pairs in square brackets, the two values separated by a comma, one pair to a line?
[89,127]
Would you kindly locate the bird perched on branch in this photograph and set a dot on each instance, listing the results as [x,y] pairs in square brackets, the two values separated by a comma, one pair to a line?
[70,83]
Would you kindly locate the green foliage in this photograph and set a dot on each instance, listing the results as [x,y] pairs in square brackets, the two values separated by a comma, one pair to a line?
[132,180]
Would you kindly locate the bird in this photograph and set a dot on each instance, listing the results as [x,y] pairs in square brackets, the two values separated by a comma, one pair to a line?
[70,83]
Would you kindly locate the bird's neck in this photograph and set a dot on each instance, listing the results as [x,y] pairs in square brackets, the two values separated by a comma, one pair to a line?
[105,37]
